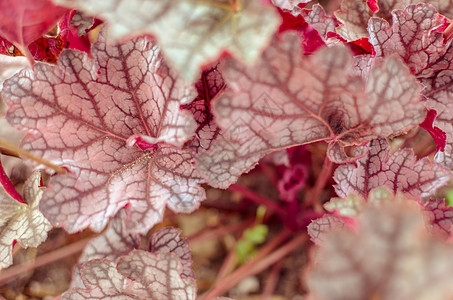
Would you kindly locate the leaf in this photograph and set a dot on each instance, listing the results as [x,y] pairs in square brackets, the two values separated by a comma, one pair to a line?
[10,66]
[398,172]
[167,240]
[354,14]
[392,256]
[444,7]
[88,114]
[22,222]
[139,275]
[211,83]
[191,33]
[317,18]
[291,5]
[26,20]
[318,228]
[439,217]
[281,102]
[113,243]
[412,36]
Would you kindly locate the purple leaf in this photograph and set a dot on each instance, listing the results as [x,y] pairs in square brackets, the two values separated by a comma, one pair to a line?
[281,102]
[398,172]
[86,114]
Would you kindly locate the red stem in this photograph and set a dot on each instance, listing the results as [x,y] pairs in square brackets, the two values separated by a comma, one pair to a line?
[321,182]
[9,186]
[255,266]
[272,280]
[260,200]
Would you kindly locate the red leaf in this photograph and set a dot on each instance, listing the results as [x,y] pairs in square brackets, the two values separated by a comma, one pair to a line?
[86,114]
[439,136]
[24,21]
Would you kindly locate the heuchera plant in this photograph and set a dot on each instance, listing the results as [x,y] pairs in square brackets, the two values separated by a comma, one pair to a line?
[127,108]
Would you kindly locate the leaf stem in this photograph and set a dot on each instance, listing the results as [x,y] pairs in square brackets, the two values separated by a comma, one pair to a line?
[9,186]
[321,182]
[203,235]
[24,153]
[261,262]
[260,200]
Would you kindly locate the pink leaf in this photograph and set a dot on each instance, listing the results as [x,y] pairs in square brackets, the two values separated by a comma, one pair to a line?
[319,228]
[167,240]
[24,21]
[22,222]
[113,243]
[379,260]
[444,7]
[192,34]
[293,6]
[317,18]
[439,217]
[86,114]
[399,172]
[412,36]
[281,102]
[139,275]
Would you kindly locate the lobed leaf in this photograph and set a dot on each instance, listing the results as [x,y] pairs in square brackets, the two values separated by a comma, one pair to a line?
[167,240]
[139,275]
[398,172]
[22,222]
[191,33]
[281,102]
[90,115]
[379,260]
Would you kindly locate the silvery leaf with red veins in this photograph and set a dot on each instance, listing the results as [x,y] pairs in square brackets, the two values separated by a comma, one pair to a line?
[191,33]
[113,242]
[354,16]
[22,222]
[439,217]
[87,114]
[412,36]
[281,102]
[438,90]
[399,171]
[340,212]
[210,84]
[378,259]
[444,7]
[26,20]
[319,228]
[139,275]
[317,18]
[167,240]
